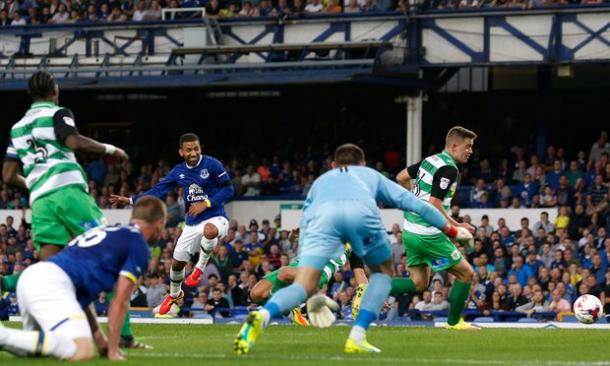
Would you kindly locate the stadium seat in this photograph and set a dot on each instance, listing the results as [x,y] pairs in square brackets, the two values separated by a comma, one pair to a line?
[440,319]
[483,319]
[569,319]
[239,310]
[527,320]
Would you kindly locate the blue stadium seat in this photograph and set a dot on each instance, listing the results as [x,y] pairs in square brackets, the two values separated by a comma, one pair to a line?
[603,320]
[440,319]
[569,319]
[527,320]
[239,310]
[483,319]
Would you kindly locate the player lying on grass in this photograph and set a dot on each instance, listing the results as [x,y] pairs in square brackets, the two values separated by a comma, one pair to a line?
[284,277]
[342,207]
[53,294]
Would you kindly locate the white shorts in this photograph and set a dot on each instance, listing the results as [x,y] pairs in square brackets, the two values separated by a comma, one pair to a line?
[189,241]
[47,301]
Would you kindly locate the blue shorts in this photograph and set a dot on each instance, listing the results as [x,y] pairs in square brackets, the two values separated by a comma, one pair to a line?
[326,229]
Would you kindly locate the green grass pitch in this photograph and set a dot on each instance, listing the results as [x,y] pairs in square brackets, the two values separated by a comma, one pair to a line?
[200,345]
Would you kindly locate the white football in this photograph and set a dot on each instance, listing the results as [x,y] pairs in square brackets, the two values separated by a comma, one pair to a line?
[588,309]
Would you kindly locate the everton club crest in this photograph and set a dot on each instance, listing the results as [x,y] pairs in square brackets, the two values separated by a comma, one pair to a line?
[204,174]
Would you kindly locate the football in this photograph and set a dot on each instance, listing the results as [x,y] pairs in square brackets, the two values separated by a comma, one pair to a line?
[588,309]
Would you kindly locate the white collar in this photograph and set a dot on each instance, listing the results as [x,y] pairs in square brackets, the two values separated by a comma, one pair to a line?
[196,165]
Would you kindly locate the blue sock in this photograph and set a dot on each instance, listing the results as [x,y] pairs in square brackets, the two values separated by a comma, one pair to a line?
[285,299]
[376,292]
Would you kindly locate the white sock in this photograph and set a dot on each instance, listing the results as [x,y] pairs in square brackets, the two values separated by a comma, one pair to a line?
[266,316]
[33,343]
[207,245]
[357,333]
[175,281]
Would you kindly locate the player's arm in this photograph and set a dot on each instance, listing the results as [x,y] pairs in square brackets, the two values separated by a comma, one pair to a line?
[116,315]
[392,194]
[139,253]
[442,181]
[226,191]
[10,168]
[223,179]
[407,174]
[99,337]
[66,132]
[160,189]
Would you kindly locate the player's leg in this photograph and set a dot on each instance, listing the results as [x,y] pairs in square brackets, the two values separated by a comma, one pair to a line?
[459,294]
[273,282]
[364,229]
[378,289]
[54,323]
[442,255]
[360,275]
[418,265]
[214,229]
[49,234]
[185,247]
[262,290]
[176,275]
[305,284]
[317,244]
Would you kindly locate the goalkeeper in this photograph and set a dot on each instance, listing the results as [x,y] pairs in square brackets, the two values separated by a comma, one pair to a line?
[341,207]
[284,276]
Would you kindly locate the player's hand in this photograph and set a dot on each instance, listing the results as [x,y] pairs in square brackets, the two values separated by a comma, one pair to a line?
[468,227]
[197,208]
[121,200]
[121,155]
[101,342]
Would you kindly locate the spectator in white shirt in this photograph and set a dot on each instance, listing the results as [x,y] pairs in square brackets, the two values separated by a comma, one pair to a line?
[140,12]
[17,19]
[61,16]
[314,6]
[154,13]
[251,182]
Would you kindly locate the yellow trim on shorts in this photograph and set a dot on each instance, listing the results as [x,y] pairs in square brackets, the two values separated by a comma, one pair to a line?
[130,276]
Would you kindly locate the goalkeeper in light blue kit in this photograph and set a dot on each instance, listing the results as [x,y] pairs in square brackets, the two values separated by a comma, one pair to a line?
[342,207]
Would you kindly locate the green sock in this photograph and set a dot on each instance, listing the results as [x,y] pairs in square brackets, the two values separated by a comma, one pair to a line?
[401,286]
[457,301]
[126,329]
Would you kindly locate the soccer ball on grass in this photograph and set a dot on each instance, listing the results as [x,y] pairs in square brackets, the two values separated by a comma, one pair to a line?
[588,309]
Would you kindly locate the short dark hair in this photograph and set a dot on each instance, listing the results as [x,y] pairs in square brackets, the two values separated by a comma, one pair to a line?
[460,132]
[212,275]
[149,209]
[41,84]
[188,137]
[349,154]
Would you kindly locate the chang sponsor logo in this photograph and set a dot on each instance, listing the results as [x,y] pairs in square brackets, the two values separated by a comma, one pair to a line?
[195,194]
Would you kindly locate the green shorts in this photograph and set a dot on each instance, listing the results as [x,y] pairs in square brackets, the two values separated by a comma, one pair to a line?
[435,251]
[273,277]
[63,214]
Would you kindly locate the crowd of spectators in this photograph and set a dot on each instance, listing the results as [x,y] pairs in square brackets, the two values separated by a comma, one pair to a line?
[22,12]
